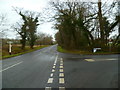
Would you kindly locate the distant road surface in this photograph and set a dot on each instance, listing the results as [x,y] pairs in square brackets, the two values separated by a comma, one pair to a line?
[47,68]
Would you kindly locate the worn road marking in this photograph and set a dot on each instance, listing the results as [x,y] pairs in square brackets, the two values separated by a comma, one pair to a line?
[47,88]
[61,74]
[11,66]
[61,88]
[61,66]
[51,75]
[61,70]
[54,64]
[50,80]
[61,80]
[53,70]
[90,60]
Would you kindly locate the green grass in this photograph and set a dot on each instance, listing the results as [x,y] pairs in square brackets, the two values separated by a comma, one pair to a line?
[18,51]
[60,49]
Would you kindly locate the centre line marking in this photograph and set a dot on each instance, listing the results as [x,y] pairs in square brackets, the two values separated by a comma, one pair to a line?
[53,70]
[11,66]
[61,88]
[50,80]
[61,74]
[51,75]
[61,70]
[61,66]
[56,59]
[90,60]
[47,88]
[54,67]
[61,80]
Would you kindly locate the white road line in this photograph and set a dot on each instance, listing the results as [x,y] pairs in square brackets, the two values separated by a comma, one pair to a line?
[61,80]
[54,67]
[54,64]
[61,59]
[61,70]
[47,88]
[50,80]
[11,66]
[112,59]
[51,75]
[61,66]
[61,74]
[56,59]
[61,88]
[90,60]
[53,70]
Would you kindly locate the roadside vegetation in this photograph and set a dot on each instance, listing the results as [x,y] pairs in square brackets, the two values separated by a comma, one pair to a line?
[16,50]
[85,52]
[83,26]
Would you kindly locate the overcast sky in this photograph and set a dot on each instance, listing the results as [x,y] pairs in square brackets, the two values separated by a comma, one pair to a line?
[6,7]
[32,5]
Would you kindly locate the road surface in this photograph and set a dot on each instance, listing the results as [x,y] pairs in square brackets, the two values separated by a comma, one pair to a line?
[47,68]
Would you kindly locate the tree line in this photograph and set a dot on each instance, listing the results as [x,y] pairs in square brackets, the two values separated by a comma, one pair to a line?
[83,25]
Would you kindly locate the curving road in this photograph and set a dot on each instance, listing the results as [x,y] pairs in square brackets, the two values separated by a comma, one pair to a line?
[47,68]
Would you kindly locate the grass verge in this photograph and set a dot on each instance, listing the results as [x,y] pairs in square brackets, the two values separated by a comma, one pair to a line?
[60,49]
[27,50]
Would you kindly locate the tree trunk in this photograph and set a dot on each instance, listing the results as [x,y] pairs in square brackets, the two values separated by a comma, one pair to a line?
[101,24]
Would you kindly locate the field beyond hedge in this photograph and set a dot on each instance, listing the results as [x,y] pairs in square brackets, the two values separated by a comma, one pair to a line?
[16,50]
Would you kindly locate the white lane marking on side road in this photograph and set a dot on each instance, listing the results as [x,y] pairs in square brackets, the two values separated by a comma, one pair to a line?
[61,88]
[61,70]
[61,74]
[50,80]
[90,60]
[61,80]
[11,66]
[47,88]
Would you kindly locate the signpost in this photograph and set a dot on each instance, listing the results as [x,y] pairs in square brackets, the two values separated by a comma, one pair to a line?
[10,46]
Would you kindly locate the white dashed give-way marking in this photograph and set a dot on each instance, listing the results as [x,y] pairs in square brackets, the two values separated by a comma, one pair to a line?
[61,70]
[61,80]
[90,60]
[61,88]
[61,74]
[61,66]
[11,66]
[50,80]
[47,88]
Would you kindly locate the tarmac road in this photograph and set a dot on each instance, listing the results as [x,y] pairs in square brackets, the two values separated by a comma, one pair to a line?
[47,68]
